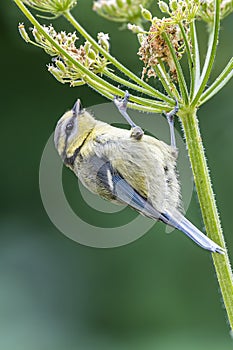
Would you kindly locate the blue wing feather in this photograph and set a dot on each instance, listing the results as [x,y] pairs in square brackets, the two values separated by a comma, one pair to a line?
[120,189]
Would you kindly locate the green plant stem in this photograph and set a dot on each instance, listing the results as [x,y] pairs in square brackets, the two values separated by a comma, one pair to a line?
[145,107]
[127,83]
[165,79]
[210,55]
[195,59]
[219,82]
[180,75]
[114,61]
[189,56]
[208,206]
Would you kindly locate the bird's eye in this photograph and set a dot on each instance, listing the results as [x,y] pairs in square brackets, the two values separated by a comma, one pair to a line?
[69,127]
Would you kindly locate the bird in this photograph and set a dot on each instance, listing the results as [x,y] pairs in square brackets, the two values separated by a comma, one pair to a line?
[127,166]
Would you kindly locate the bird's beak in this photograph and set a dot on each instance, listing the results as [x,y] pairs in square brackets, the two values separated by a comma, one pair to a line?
[77,108]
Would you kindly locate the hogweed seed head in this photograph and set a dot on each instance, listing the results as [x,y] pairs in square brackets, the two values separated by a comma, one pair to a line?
[63,69]
[153,45]
[121,10]
[55,7]
[207,10]
[154,48]
[181,10]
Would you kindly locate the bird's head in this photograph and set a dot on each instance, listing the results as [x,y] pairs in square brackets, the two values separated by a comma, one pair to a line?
[71,129]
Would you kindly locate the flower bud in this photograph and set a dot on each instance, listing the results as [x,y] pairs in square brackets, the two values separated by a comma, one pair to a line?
[103,40]
[60,65]
[173,5]
[87,46]
[134,28]
[77,83]
[141,38]
[56,73]
[37,35]
[120,3]
[92,55]
[146,14]
[23,32]
[163,7]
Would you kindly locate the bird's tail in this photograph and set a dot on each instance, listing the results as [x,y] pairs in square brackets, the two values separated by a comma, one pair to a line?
[126,194]
[181,223]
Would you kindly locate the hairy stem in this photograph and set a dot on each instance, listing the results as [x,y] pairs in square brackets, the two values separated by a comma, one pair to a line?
[195,59]
[165,79]
[189,57]
[180,75]
[210,55]
[219,82]
[208,207]
[125,82]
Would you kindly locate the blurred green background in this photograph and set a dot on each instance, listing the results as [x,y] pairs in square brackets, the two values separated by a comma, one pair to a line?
[158,292]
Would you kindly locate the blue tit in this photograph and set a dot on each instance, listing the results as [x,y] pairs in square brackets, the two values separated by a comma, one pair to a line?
[126,166]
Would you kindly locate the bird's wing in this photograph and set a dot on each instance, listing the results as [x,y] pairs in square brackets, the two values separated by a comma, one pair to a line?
[142,165]
[117,187]
[127,194]
[114,186]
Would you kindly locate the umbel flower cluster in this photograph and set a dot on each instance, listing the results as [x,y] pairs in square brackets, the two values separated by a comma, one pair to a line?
[54,7]
[129,10]
[154,49]
[207,10]
[61,68]
[121,10]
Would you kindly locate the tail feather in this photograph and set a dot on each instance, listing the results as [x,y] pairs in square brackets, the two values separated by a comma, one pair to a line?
[184,225]
[126,194]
